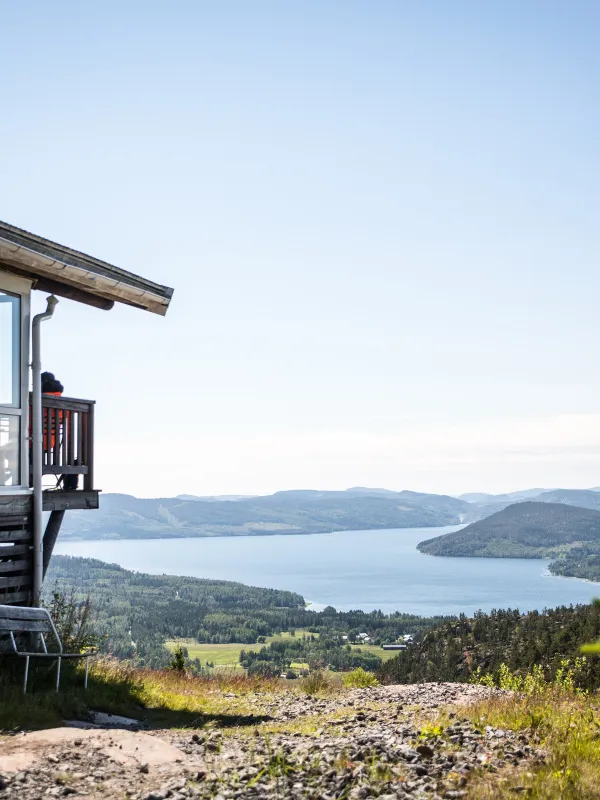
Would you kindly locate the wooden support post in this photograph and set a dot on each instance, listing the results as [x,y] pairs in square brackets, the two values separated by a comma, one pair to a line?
[51,535]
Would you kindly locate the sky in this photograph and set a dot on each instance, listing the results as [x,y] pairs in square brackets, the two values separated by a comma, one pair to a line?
[380,221]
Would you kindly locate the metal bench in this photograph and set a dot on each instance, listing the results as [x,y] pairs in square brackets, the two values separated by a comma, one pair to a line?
[37,624]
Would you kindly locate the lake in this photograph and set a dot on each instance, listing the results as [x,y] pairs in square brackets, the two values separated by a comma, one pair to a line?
[380,569]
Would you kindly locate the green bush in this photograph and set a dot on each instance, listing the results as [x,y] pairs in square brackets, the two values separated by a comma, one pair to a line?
[359,679]
[566,678]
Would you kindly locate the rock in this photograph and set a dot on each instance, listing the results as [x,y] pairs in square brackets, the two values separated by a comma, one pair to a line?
[425,750]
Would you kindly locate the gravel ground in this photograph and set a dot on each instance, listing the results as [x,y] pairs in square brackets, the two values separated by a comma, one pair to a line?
[365,744]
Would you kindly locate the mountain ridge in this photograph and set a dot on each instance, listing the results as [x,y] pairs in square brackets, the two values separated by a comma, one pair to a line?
[301,511]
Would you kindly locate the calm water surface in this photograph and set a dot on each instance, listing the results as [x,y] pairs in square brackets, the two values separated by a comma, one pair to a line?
[352,569]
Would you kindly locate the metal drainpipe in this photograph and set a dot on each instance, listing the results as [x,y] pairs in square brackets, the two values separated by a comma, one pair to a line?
[36,448]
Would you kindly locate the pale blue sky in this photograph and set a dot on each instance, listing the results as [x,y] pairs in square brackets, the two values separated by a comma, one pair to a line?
[380,220]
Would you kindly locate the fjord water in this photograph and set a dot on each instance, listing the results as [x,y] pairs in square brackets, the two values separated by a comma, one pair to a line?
[379,569]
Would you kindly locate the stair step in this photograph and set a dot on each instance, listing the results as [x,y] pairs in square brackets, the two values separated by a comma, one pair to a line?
[12,598]
[15,536]
[24,581]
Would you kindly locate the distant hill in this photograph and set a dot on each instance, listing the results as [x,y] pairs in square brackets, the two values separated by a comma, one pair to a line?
[483,497]
[300,511]
[507,497]
[214,498]
[568,534]
[523,530]
[583,498]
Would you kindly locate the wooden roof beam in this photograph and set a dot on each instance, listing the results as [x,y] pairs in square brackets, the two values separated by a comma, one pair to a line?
[71,293]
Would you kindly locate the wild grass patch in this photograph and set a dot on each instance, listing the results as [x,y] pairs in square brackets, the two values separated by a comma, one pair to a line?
[321,682]
[564,726]
[359,679]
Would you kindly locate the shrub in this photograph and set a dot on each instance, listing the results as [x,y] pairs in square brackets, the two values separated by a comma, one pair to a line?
[73,621]
[359,679]
[320,682]
[178,660]
[266,669]
[567,678]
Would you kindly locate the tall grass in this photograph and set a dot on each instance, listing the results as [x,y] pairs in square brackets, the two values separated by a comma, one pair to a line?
[112,688]
[565,726]
[161,697]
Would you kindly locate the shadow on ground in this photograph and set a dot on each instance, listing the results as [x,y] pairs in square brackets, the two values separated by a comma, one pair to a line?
[42,707]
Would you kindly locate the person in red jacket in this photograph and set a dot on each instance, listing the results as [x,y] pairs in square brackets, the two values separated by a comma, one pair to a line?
[52,386]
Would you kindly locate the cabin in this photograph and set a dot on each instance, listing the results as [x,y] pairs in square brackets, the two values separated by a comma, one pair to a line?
[47,440]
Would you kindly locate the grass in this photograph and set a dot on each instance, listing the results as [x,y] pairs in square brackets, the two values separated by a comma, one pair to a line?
[161,698]
[384,655]
[228,655]
[565,726]
[221,655]
[112,688]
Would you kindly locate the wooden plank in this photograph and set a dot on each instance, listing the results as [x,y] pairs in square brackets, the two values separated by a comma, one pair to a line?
[28,625]
[14,536]
[15,597]
[89,479]
[80,442]
[61,470]
[65,290]
[15,566]
[76,500]
[22,613]
[11,521]
[70,427]
[23,581]
[12,550]
[56,430]
[67,403]
[65,435]
[15,504]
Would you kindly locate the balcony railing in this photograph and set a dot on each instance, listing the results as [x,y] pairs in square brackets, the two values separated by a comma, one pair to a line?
[68,439]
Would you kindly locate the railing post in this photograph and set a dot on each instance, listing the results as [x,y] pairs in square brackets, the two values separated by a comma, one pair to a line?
[89,478]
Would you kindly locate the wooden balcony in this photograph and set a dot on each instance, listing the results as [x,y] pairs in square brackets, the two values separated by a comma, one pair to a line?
[68,452]
[67,456]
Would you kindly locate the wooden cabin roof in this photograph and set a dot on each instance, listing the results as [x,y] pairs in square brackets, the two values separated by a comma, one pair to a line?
[68,273]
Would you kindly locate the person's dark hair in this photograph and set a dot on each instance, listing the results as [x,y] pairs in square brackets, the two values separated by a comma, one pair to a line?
[50,383]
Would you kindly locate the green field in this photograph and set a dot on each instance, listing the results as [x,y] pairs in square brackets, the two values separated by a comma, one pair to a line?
[228,655]
[384,655]
[221,655]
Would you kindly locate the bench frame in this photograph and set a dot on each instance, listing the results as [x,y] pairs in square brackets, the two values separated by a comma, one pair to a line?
[37,621]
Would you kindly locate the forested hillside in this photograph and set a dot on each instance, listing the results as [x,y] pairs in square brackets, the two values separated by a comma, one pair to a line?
[455,650]
[568,535]
[294,512]
[138,612]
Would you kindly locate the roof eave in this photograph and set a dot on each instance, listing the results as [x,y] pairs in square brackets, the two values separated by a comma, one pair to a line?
[39,258]
[37,266]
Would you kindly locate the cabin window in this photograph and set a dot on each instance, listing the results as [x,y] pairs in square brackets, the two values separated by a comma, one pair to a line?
[10,389]
[10,350]
[10,450]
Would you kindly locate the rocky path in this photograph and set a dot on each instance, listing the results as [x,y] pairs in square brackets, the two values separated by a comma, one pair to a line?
[366,743]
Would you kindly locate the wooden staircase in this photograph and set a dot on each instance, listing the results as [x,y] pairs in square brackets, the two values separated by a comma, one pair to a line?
[16,559]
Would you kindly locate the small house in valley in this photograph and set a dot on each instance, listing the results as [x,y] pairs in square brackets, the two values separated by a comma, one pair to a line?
[44,435]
